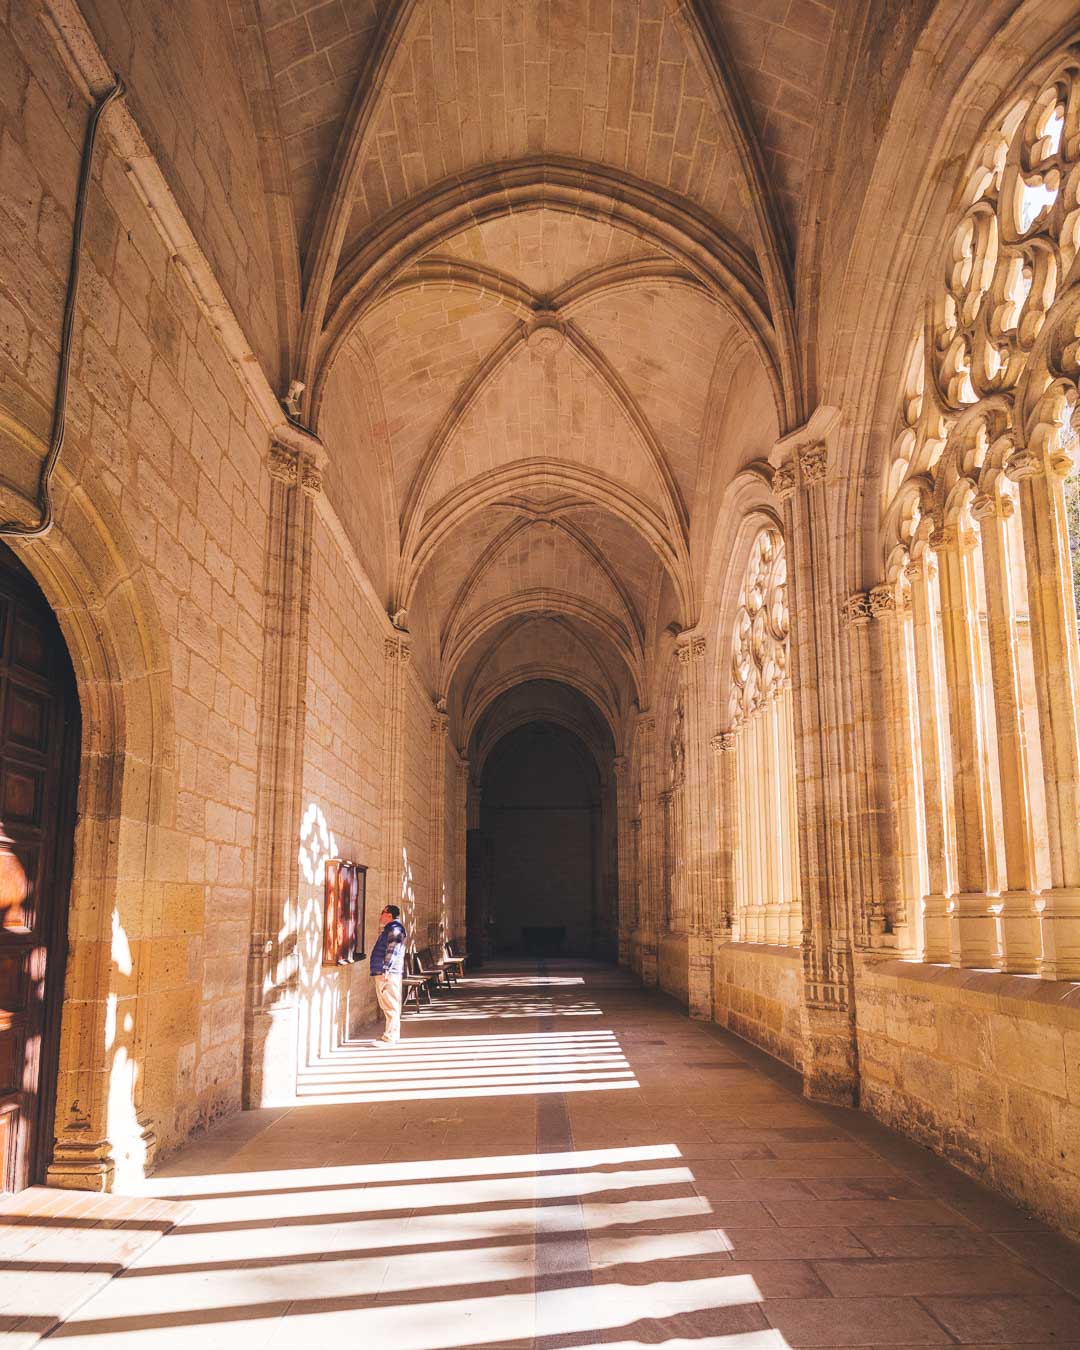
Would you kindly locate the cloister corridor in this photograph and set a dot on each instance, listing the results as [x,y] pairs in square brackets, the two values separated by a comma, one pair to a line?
[553,1157]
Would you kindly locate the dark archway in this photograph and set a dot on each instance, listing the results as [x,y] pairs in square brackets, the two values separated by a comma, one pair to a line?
[548,830]
[39,770]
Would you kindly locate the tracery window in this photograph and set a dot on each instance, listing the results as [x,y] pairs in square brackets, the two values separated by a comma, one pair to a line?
[980,550]
[765,848]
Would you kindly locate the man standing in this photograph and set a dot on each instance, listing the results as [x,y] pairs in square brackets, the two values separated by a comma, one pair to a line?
[387,968]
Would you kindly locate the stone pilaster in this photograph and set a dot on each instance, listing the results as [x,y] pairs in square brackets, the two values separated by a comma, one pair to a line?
[461,834]
[441,878]
[397,651]
[973,924]
[939,835]
[830,1071]
[627,910]
[271,1024]
[726,790]
[1017,917]
[698,829]
[652,843]
[1057,687]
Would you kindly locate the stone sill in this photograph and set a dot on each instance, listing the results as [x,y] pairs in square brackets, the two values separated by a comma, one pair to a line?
[1043,999]
[775,951]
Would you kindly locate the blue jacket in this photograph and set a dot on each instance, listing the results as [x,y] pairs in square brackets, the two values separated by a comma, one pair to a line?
[388,954]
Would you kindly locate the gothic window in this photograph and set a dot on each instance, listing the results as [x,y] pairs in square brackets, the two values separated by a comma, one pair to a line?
[981,509]
[760,714]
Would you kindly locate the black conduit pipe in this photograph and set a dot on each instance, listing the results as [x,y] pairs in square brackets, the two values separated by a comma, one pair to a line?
[12,529]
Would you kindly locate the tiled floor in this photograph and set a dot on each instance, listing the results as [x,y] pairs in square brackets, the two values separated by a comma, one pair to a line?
[58,1248]
[557,1159]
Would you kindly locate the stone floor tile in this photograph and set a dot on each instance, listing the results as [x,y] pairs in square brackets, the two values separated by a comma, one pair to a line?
[925,1242]
[851,1213]
[863,1321]
[1050,1254]
[1022,1320]
[958,1275]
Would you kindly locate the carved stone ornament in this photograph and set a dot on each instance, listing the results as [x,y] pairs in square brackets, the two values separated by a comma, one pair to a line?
[310,478]
[282,463]
[984,505]
[813,463]
[941,539]
[698,648]
[723,742]
[1023,464]
[783,480]
[619,765]
[856,610]
[545,334]
[647,724]
[883,601]
[759,640]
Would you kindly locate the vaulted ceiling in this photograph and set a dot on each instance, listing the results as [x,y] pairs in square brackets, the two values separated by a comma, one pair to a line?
[536,240]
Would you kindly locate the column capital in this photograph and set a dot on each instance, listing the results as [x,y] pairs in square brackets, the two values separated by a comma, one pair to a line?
[646,723]
[813,463]
[723,742]
[619,765]
[917,568]
[398,649]
[856,611]
[440,723]
[783,480]
[1023,463]
[883,602]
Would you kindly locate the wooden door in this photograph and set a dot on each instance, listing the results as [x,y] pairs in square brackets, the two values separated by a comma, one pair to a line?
[39,735]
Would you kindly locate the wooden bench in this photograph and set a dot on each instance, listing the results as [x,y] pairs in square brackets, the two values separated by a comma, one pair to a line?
[454,963]
[426,964]
[415,983]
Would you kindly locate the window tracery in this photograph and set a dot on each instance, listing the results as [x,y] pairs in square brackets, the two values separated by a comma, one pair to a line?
[984,656]
[764,830]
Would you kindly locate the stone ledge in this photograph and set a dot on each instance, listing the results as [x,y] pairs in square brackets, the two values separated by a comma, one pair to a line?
[1048,996]
[763,949]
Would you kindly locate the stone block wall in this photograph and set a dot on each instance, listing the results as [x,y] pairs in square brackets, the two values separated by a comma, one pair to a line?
[417,880]
[163,439]
[673,969]
[983,1068]
[341,811]
[757,993]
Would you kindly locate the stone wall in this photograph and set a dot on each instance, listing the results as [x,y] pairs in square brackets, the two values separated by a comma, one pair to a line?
[417,882]
[983,1068]
[162,435]
[673,968]
[342,781]
[757,993]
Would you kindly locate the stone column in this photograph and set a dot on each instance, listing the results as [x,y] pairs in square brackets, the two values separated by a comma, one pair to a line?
[940,839]
[1057,685]
[830,1071]
[271,1021]
[698,828]
[973,925]
[1019,922]
[903,881]
[627,916]
[722,746]
[651,850]
[440,872]
[461,835]
[397,651]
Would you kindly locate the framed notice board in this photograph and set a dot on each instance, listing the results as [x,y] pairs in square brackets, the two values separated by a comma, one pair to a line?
[344,912]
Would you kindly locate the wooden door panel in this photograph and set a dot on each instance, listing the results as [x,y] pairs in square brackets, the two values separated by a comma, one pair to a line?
[29,643]
[38,727]
[22,796]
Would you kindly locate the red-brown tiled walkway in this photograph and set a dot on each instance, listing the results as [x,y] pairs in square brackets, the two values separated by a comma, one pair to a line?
[554,1158]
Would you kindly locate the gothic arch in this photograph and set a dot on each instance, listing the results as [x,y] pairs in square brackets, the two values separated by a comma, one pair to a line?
[89,572]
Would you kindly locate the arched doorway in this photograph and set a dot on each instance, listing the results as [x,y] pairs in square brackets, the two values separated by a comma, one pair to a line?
[39,769]
[542,813]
